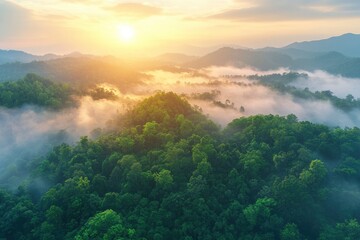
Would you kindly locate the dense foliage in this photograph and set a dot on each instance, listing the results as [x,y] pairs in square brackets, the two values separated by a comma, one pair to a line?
[35,90]
[212,97]
[99,93]
[170,173]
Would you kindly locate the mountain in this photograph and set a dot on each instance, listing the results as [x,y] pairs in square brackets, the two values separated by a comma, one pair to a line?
[76,71]
[350,68]
[11,56]
[275,58]
[242,58]
[347,44]
[292,52]
[325,61]
[7,56]
[200,50]
[175,58]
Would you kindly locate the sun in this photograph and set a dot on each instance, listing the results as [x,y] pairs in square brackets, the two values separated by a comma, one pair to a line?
[126,33]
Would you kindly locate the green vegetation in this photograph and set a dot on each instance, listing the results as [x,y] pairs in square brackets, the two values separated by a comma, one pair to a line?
[170,173]
[207,96]
[35,90]
[102,93]
[212,97]
[279,83]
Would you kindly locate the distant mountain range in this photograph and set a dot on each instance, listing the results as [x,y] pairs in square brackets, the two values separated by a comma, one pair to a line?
[336,55]
[328,55]
[11,56]
[76,71]
[332,62]
[8,56]
[242,58]
[347,44]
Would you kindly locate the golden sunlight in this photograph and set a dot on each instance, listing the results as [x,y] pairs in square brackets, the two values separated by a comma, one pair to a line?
[126,33]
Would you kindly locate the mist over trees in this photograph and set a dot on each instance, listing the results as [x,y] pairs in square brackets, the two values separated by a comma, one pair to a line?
[163,169]
[280,82]
[168,172]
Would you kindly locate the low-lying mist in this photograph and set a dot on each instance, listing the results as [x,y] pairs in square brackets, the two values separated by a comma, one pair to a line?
[29,132]
[323,81]
[256,98]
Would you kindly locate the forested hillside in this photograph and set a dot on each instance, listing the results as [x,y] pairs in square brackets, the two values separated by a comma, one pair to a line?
[41,92]
[168,172]
[33,89]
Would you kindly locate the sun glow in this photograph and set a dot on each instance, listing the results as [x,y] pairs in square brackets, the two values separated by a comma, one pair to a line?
[126,33]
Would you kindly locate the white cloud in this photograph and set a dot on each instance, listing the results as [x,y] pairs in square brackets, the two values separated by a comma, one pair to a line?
[266,10]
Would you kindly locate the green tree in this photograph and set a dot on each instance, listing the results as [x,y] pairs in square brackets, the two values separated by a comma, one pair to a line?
[290,232]
[164,179]
[316,173]
[104,225]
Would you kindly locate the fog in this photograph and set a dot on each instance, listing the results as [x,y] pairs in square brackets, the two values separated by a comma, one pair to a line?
[29,132]
[321,81]
[255,98]
[221,71]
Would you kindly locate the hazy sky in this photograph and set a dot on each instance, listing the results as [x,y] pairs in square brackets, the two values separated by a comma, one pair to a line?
[62,26]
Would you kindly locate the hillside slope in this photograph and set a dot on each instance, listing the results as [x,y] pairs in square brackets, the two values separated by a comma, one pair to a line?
[169,173]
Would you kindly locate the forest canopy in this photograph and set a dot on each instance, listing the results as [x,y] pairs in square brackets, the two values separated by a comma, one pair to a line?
[168,172]
[35,90]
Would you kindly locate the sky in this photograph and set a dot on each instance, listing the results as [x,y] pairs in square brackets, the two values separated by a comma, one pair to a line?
[191,26]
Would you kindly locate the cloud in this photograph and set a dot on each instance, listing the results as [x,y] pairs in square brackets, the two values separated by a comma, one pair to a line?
[265,10]
[323,81]
[21,27]
[256,99]
[29,132]
[13,19]
[79,1]
[135,10]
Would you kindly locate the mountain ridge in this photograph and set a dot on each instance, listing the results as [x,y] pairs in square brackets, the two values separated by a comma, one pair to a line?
[347,44]
[241,58]
[12,56]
